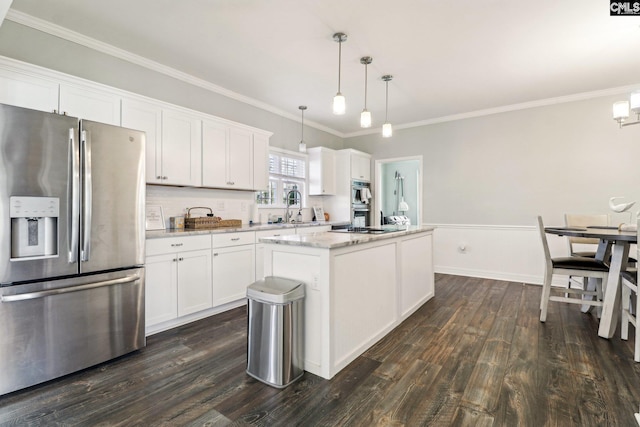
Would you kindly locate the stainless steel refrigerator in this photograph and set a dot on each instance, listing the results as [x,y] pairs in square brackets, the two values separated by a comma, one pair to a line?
[71,245]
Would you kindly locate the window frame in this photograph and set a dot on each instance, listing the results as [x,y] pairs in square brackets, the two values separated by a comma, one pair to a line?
[280,181]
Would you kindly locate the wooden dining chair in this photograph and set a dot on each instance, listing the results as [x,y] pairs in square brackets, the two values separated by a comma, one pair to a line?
[583,220]
[569,266]
[630,300]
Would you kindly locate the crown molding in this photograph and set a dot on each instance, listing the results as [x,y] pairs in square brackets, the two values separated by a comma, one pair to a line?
[72,36]
[507,108]
[80,39]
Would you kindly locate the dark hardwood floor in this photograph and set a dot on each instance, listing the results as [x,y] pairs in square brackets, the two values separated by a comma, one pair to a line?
[475,355]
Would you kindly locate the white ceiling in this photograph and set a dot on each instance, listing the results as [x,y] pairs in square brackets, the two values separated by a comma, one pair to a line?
[447,58]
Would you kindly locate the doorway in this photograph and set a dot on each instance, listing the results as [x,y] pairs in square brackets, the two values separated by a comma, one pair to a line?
[398,189]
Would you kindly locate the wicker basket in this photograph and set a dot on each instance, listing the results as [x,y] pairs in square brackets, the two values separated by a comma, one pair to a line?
[209,221]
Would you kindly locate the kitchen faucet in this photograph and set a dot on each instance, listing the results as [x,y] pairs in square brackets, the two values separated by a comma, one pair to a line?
[297,197]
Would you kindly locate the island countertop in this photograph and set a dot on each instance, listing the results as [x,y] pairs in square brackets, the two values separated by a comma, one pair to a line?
[333,240]
[358,287]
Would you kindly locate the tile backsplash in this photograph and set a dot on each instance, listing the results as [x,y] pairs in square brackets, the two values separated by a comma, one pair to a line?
[227,204]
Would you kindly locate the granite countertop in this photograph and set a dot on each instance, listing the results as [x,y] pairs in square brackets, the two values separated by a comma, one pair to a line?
[333,240]
[157,234]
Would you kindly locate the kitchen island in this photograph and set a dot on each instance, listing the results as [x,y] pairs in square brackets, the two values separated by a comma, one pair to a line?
[358,287]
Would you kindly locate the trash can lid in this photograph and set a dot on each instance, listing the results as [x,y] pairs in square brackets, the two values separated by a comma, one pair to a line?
[277,290]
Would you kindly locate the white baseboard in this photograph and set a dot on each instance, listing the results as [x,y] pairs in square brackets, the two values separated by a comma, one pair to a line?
[173,323]
[486,274]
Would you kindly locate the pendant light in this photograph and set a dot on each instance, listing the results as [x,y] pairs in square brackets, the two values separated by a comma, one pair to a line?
[302,147]
[365,116]
[387,130]
[339,103]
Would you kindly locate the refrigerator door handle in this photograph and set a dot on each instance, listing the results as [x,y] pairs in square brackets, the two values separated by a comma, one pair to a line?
[72,196]
[85,253]
[50,292]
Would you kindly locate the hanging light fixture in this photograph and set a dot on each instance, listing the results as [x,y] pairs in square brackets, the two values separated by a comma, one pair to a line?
[302,147]
[387,130]
[621,109]
[365,116]
[339,103]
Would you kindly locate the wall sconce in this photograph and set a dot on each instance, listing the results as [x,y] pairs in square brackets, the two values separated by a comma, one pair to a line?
[387,130]
[365,116]
[302,147]
[339,103]
[621,109]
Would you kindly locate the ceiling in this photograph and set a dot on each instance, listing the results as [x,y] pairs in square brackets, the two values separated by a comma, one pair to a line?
[447,58]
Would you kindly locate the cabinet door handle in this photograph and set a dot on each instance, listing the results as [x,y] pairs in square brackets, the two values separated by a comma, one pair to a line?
[275,235]
[175,260]
[235,239]
[215,254]
[180,259]
[165,177]
[158,177]
[173,245]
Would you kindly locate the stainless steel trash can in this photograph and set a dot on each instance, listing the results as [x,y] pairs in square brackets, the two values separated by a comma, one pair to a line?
[275,347]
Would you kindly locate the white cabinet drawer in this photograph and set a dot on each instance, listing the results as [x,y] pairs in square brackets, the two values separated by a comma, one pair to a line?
[274,233]
[222,240]
[178,244]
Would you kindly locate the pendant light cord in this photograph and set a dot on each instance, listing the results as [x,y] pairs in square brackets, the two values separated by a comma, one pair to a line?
[365,85]
[339,61]
[386,103]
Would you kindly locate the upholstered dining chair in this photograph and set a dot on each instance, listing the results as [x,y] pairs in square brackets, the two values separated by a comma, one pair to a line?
[630,300]
[569,266]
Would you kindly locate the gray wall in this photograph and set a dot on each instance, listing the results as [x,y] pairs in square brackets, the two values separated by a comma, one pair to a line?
[32,46]
[504,169]
[500,169]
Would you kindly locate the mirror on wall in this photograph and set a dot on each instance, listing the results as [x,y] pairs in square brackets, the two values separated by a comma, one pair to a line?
[398,190]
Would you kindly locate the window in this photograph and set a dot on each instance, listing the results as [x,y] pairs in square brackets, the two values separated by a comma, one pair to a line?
[287,171]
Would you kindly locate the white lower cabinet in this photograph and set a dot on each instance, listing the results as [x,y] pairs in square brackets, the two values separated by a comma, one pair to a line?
[178,277]
[233,266]
[260,247]
[194,281]
[161,288]
[416,274]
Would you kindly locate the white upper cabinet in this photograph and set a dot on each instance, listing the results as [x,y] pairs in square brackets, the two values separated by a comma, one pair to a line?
[260,161]
[181,148]
[240,159]
[146,117]
[90,103]
[214,154]
[233,157]
[173,142]
[22,90]
[360,167]
[322,171]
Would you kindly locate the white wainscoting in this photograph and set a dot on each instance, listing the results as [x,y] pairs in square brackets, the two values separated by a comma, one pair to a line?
[512,253]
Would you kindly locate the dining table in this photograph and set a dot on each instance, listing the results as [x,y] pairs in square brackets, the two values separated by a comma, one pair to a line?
[613,248]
